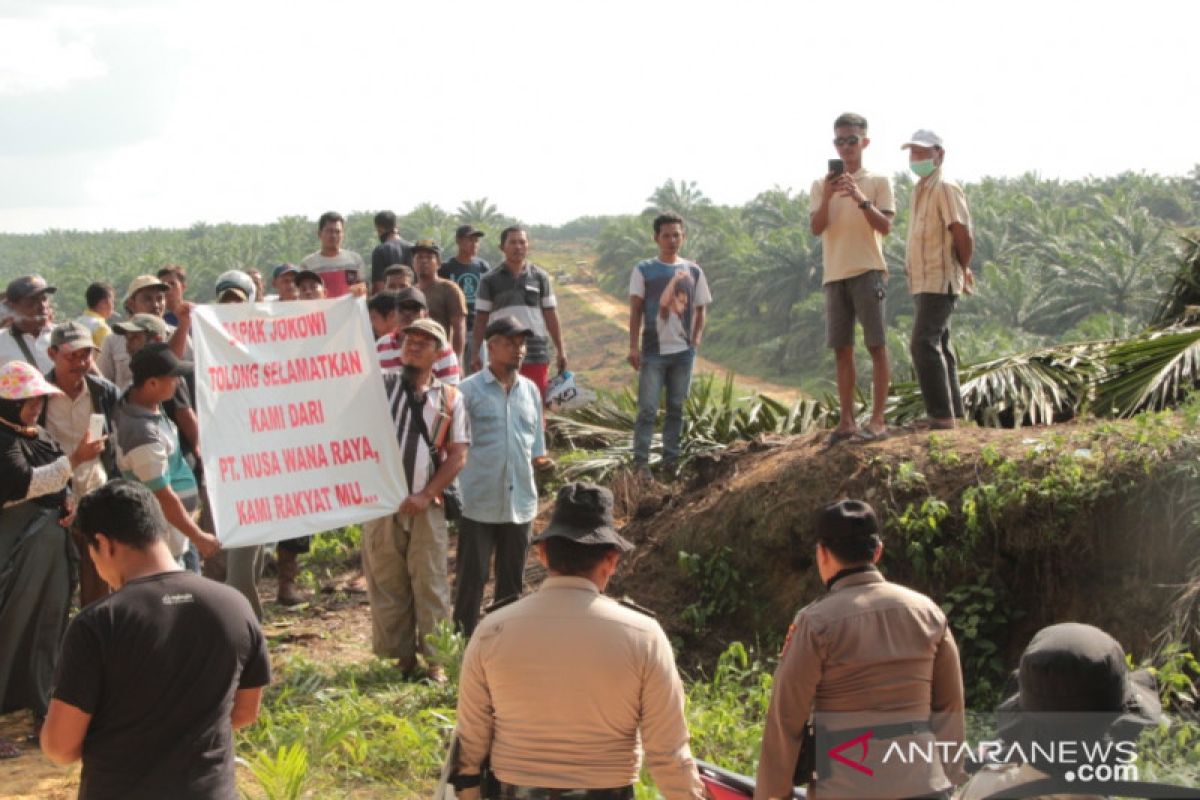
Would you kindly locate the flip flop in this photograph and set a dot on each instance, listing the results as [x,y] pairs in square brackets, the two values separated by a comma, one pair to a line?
[837,437]
[867,435]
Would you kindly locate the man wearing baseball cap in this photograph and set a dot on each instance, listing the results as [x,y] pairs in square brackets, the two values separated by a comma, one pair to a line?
[938,265]
[148,448]
[869,654]
[141,330]
[405,553]
[146,294]
[283,281]
[310,285]
[499,492]
[466,269]
[566,688]
[68,416]
[392,311]
[443,299]
[28,338]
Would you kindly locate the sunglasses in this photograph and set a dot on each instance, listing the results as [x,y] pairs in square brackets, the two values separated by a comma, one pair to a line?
[850,140]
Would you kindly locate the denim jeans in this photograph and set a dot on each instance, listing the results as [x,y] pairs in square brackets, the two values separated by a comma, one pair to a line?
[674,372]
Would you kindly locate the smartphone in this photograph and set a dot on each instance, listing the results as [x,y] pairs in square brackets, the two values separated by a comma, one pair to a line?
[95,426]
[837,166]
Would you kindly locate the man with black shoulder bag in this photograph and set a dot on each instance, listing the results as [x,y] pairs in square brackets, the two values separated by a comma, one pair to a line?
[405,553]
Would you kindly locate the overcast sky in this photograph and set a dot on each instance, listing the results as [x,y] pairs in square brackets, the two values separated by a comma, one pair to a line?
[159,113]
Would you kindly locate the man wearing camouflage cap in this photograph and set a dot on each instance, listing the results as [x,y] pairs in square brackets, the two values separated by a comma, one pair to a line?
[67,418]
[565,688]
[28,339]
[146,295]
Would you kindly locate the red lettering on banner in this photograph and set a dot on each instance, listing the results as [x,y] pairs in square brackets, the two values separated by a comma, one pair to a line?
[321,367]
[253,511]
[310,412]
[269,418]
[349,494]
[305,457]
[260,465]
[249,331]
[229,378]
[348,451]
[304,326]
[302,503]
[227,466]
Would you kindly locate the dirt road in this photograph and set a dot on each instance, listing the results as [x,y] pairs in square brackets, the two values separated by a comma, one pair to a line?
[618,314]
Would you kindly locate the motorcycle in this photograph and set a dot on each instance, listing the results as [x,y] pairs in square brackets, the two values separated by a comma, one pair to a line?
[721,784]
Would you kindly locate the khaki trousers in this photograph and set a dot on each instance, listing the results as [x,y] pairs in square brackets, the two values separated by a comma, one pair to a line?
[404,559]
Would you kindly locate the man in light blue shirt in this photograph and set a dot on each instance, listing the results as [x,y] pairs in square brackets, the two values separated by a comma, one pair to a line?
[498,488]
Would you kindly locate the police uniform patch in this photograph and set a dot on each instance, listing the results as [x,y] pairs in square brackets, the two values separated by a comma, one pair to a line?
[787,639]
[628,603]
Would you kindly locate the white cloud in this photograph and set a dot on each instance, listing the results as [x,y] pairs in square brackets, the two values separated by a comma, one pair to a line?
[42,54]
[245,111]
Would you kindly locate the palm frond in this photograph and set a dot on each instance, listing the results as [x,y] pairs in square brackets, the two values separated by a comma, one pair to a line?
[1150,371]
[1034,387]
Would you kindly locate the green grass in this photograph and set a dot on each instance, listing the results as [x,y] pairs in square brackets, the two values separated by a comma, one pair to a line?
[358,726]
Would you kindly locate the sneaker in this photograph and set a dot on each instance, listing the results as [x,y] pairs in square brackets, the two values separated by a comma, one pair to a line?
[643,474]
[436,674]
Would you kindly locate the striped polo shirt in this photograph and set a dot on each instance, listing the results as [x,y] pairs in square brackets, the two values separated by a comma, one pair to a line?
[522,296]
[929,260]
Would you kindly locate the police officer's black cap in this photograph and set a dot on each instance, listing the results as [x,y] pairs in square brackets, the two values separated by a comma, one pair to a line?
[849,521]
[506,326]
[583,513]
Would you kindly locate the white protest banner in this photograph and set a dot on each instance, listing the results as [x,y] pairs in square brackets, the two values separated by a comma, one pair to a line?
[294,424]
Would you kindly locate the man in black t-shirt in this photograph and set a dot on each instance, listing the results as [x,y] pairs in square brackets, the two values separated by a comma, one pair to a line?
[154,678]
[391,250]
[466,269]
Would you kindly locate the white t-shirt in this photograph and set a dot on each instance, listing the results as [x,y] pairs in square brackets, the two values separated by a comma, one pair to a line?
[670,295]
[38,345]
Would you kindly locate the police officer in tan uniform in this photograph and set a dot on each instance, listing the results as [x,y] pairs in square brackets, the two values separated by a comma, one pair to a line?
[557,686]
[871,663]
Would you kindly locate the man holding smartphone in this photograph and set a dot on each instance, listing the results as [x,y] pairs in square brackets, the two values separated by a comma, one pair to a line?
[851,209]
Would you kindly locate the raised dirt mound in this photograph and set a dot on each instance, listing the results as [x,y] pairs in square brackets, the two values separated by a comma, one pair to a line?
[1015,528]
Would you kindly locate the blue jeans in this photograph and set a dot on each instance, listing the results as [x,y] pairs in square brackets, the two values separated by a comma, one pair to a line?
[673,371]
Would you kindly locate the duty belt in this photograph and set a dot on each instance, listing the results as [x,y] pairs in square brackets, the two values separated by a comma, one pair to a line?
[509,791]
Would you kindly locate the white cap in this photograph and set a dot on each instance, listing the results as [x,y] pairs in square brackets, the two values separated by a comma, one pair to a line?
[923,138]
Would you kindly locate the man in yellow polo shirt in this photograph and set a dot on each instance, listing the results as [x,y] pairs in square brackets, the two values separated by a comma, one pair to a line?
[851,209]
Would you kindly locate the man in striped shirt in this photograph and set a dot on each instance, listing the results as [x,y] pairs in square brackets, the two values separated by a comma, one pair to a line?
[938,263]
[390,312]
[521,289]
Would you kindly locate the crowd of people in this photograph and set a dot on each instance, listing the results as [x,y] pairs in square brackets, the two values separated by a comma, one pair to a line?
[561,690]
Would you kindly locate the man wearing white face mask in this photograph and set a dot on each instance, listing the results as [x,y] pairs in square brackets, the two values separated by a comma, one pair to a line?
[938,264]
